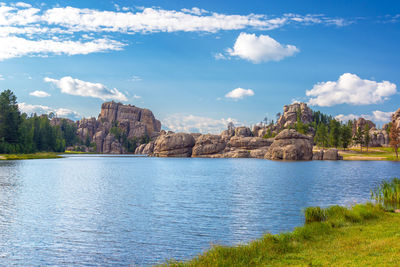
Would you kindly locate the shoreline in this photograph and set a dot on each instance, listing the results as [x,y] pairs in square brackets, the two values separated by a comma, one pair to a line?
[354,154]
[364,234]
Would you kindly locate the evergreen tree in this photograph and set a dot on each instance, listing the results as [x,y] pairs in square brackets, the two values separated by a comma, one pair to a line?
[359,137]
[367,137]
[321,135]
[345,135]
[334,133]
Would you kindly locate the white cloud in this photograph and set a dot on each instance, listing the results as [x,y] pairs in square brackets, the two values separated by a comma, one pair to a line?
[350,89]
[11,47]
[220,56]
[136,78]
[40,109]
[39,94]
[196,124]
[376,116]
[239,93]
[60,30]
[382,116]
[260,49]
[1,77]
[71,86]
[137,97]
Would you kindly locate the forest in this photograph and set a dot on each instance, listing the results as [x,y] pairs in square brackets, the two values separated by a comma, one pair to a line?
[23,133]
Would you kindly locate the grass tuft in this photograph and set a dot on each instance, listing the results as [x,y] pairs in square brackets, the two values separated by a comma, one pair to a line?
[388,193]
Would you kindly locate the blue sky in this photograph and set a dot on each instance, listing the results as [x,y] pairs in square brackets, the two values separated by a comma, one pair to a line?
[199,64]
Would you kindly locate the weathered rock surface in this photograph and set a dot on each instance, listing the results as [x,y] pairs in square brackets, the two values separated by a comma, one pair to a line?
[133,122]
[289,116]
[174,145]
[249,143]
[379,138]
[290,145]
[243,131]
[208,144]
[396,118]
[330,154]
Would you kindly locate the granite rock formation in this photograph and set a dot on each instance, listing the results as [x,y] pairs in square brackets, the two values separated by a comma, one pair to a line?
[290,145]
[130,121]
[290,112]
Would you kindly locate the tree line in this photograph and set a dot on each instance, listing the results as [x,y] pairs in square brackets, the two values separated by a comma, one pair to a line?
[20,133]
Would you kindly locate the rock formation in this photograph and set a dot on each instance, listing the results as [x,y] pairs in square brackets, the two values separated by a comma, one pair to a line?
[290,145]
[396,119]
[378,137]
[174,145]
[290,112]
[330,154]
[130,121]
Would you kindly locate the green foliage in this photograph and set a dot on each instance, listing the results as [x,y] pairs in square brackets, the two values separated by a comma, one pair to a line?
[314,214]
[366,136]
[359,137]
[346,134]
[334,133]
[321,135]
[388,193]
[337,236]
[22,134]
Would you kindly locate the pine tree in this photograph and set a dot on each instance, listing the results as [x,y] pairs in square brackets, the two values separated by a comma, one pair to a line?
[321,136]
[334,133]
[367,137]
[359,137]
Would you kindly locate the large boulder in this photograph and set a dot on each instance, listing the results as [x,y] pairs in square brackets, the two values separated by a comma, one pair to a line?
[290,112]
[208,144]
[243,131]
[290,145]
[249,143]
[174,145]
[378,138]
[332,154]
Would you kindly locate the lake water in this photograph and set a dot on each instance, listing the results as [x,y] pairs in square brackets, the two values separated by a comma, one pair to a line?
[98,210]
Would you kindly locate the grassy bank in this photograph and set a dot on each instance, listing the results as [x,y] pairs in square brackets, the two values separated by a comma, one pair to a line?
[373,153]
[40,155]
[364,235]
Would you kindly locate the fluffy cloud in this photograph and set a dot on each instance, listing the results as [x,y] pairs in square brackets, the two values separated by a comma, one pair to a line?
[239,93]
[71,86]
[196,124]
[30,31]
[260,49]
[350,89]
[11,47]
[376,116]
[40,109]
[39,94]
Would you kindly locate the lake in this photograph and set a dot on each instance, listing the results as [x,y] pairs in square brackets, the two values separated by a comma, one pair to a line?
[124,210]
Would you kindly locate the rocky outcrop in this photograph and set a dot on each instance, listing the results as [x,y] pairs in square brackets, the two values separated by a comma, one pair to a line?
[174,145]
[361,122]
[330,154]
[131,122]
[208,144]
[396,119]
[248,143]
[290,113]
[378,138]
[290,145]
[243,131]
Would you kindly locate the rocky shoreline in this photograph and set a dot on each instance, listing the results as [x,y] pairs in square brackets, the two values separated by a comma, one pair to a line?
[118,125]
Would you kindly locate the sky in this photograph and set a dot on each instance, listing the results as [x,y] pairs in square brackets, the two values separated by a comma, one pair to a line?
[199,65]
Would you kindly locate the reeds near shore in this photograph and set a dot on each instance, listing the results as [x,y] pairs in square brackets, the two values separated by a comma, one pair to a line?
[388,193]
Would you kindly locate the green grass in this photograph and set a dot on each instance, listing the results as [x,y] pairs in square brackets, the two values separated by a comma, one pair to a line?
[374,153]
[388,193]
[39,155]
[363,235]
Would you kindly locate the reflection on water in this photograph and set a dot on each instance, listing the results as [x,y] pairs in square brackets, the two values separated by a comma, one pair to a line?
[140,211]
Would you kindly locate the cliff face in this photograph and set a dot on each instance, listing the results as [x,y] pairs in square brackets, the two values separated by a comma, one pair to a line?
[289,116]
[130,121]
[396,118]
